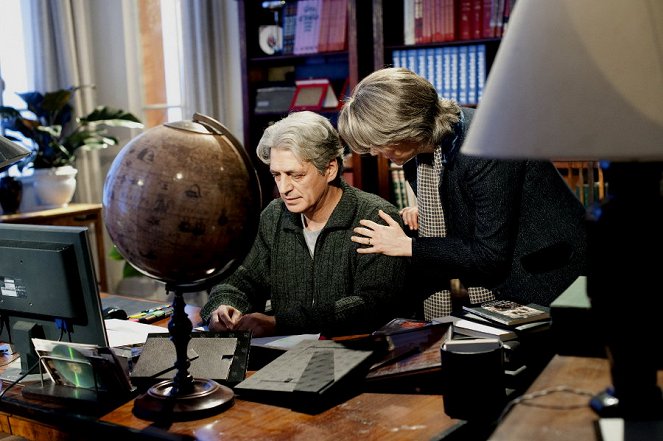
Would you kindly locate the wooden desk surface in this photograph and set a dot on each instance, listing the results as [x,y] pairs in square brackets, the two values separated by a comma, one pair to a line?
[367,416]
[528,423]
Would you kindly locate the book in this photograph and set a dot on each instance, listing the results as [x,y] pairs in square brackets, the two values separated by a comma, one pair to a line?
[510,313]
[289,27]
[407,348]
[307,29]
[472,328]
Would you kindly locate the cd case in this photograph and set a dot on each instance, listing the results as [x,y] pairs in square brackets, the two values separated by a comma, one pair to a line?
[79,372]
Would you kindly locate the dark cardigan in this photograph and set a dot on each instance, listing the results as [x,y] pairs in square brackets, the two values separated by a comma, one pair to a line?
[512,226]
[339,291]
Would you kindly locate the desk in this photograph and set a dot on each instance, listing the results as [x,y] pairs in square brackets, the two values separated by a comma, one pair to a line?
[367,416]
[528,423]
[73,215]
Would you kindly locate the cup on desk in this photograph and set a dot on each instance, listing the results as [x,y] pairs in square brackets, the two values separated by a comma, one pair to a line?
[473,383]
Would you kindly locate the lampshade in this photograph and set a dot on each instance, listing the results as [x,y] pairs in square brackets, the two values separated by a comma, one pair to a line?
[575,79]
[10,152]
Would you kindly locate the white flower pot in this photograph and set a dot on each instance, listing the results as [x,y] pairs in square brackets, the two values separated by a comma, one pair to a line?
[54,187]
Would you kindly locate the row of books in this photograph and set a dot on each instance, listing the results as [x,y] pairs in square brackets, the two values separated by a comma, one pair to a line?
[403,196]
[430,21]
[313,26]
[456,72]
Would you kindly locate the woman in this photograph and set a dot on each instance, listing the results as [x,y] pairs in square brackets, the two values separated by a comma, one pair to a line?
[506,229]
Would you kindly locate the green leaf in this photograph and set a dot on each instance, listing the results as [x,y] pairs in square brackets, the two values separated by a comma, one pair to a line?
[111,117]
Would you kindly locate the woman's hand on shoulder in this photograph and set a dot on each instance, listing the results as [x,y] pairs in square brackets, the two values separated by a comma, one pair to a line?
[389,239]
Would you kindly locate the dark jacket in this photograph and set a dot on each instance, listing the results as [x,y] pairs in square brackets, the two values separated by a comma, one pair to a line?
[512,226]
[338,291]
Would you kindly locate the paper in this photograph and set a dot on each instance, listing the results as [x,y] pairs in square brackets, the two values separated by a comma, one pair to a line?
[283,341]
[127,333]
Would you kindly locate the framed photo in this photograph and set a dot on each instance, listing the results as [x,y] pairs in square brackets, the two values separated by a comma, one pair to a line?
[314,94]
[309,96]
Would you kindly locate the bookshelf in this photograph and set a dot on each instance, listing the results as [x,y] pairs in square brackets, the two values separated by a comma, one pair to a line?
[375,37]
[341,59]
[440,47]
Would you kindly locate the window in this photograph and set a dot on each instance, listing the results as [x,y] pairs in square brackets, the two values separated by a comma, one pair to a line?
[161,48]
[13,57]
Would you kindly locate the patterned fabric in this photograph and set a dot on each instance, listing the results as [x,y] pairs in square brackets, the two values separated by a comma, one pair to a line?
[431,224]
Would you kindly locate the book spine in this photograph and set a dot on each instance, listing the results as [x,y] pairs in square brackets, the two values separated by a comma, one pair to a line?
[481,70]
[486,16]
[446,69]
[418,21]
[472,74]
[412,59]
[464,19]
[289,26]
[408,22]
[421,62]
[396,58]
[325,26]
[454,73]
[476,22]
[462,74]
[438,71]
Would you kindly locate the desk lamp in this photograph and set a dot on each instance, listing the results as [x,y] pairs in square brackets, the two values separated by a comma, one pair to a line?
[583,80]
[10,153]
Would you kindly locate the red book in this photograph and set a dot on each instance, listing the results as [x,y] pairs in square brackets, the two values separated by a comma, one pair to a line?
[464,17]
[486,16]
[476,21]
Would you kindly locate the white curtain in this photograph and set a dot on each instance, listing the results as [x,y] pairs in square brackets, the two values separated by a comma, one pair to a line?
[204,44]
[61,59]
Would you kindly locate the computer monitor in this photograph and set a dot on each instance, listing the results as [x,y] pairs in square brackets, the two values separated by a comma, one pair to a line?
[48,288]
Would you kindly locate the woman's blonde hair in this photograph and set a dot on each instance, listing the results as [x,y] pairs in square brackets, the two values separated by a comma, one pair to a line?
[392,106]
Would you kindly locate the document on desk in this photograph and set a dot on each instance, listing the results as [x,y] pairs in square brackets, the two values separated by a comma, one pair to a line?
[283,341]
[128,333]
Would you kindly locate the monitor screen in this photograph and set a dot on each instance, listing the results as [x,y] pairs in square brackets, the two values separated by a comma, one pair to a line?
[48,288]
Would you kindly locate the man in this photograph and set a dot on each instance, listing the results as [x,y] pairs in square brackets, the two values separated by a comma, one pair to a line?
[303,259]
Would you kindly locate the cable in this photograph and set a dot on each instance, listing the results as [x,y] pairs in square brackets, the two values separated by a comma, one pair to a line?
[18,380]
[527,399]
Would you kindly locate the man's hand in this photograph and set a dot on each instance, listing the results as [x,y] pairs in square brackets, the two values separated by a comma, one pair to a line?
[224,318]
[410,217]
[261,325]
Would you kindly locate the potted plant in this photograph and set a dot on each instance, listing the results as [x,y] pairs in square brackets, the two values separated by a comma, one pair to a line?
[48,128]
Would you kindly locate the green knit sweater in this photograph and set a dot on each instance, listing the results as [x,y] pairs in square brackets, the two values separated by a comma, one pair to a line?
[337,292]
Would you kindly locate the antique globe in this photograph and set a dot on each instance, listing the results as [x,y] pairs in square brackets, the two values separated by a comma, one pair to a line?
[181,203]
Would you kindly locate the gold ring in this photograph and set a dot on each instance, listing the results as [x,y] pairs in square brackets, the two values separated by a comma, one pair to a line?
[369,241]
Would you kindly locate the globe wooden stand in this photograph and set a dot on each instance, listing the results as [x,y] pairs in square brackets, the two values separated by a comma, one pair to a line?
[183,397]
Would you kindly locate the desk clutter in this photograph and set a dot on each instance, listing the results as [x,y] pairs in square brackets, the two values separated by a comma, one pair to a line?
[309,375]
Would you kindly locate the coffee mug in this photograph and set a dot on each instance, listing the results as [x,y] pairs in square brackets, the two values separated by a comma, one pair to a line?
[473,378]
